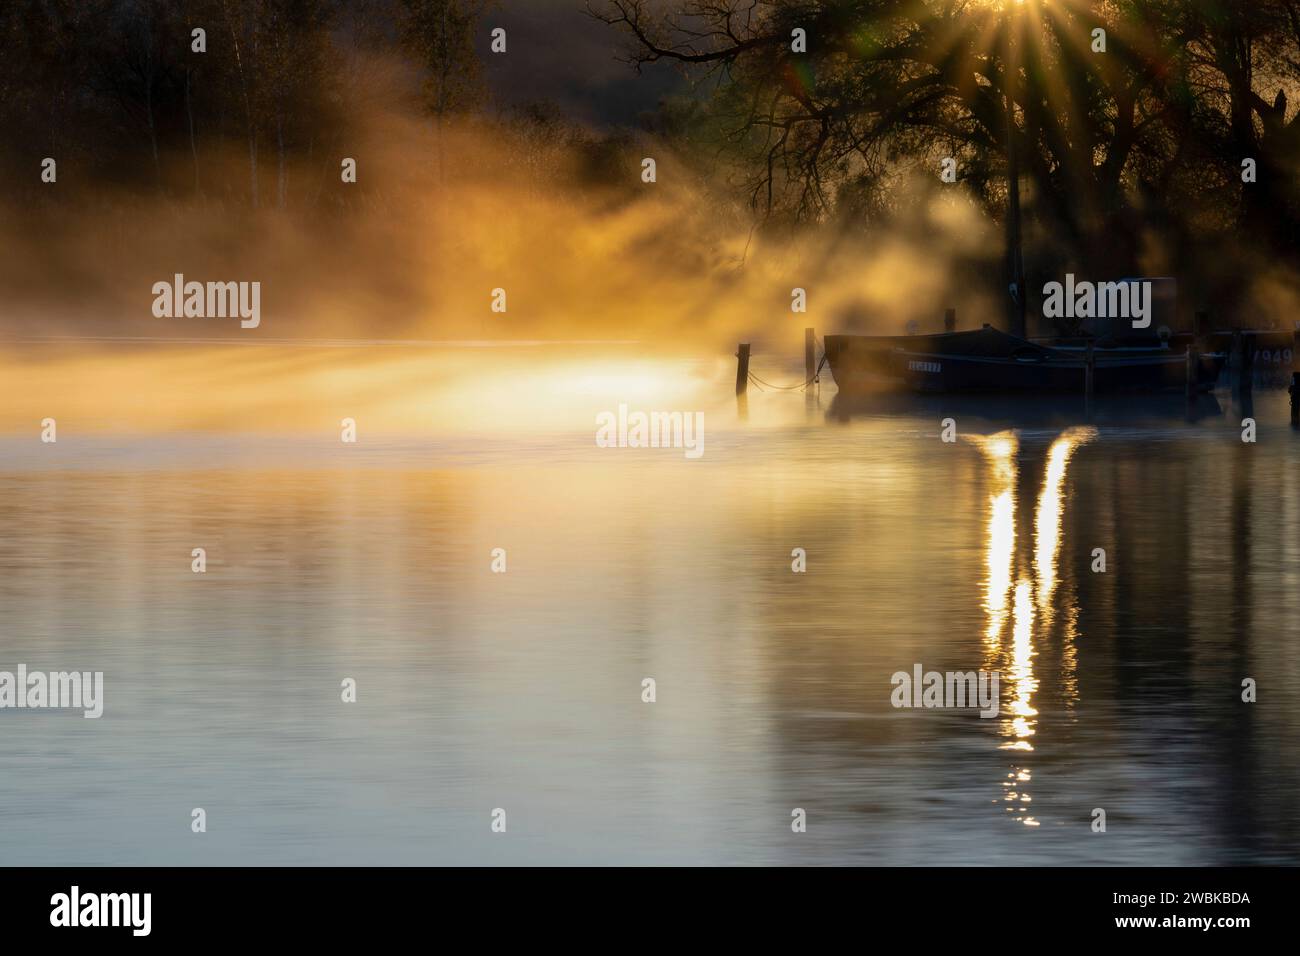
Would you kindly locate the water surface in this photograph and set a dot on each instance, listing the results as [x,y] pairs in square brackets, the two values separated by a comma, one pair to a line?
[1120,689]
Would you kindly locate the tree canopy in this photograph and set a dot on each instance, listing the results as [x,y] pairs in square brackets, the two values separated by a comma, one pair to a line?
[1148,122]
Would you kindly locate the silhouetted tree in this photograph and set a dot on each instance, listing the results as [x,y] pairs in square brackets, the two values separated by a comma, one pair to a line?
[440,35]
[1172,103]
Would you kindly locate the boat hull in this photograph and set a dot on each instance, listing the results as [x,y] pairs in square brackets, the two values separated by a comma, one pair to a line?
[987,360]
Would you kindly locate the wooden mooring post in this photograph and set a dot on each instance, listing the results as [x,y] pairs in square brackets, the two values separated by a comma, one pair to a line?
[1241,370]
[742,368]
[1193,366]
[1247,363]
[1233,363]
[809,355]
[1295,377]
[1089,378]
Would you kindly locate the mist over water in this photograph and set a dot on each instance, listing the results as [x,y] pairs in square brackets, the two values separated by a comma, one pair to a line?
[552,212]
[522,690]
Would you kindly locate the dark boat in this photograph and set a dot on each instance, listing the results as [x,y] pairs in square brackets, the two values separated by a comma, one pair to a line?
[989,360]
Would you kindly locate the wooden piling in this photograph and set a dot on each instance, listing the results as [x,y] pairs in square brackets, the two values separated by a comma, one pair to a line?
[1247,363]
[1089,376]
[742,368]
[1234,363]
[1295,377]
[1193,364]
[809,355]
[950,320]
[1200,329]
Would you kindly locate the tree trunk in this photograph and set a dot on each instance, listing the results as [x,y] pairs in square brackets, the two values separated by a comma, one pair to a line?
[194,150]
[252,165]
[248,108]
[148,100]
[280,174]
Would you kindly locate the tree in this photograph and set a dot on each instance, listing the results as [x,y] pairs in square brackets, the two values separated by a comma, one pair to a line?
[887,83]
[242,25]
[294,68]
[440,34]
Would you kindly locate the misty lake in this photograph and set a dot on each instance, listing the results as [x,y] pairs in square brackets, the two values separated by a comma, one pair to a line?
[1121,689]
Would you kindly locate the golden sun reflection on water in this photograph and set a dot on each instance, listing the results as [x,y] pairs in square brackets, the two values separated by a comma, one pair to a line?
[1047,521]
[1000,453]
[1032,599]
